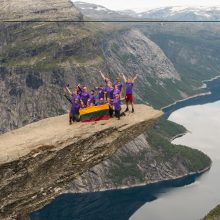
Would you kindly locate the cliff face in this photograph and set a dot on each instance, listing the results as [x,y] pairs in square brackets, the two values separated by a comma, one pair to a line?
[134,164]
[39,161]
[39,59]
[39,9]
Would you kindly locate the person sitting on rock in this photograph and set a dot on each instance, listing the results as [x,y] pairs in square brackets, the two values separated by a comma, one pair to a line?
[74,112]
[129,92]
[100,102]
[117,106]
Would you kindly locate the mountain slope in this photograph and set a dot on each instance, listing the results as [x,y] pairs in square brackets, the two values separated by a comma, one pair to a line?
[183,13]
[38,9]
[102,13]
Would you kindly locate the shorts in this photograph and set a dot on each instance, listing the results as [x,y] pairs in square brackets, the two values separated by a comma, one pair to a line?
[129,98]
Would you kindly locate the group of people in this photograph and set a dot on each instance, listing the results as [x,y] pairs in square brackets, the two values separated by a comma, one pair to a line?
[110,93]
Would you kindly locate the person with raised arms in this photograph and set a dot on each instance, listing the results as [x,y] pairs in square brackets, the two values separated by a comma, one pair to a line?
[107,81]
[129,91]
[119,84]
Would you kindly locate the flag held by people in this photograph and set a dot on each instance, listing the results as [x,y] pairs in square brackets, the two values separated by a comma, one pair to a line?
[94,113]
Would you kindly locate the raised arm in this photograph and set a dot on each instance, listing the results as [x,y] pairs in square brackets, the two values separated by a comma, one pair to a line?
[68,90]
[102,74]
[123,76]
[135,78]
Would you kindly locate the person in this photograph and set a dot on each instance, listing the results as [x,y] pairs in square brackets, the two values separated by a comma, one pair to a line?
[92,98]
[129,92]
[82,104]
[84,95]
[116,91]
[74,112]
[100,102]
[100,91]
[75,94]
[117,106]
[107,81]
[119,84]
[110,98]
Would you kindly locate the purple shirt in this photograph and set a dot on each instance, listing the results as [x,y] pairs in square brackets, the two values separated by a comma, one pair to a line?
[117,104]
[75,108]
[92,99]
[116,92]
[110,93]
[74,97]
[100,93]
[119,84]
[129,88]
[85,97]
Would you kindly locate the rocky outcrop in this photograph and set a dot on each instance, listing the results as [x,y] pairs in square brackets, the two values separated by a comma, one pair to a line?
[137,163]
[39,161]
[39,10]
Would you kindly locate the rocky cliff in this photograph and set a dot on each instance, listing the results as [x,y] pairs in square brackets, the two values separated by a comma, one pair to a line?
[39,59]
[39,161]
[148,159]
[50,10]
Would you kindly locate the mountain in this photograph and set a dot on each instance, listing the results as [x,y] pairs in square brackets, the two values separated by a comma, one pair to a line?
[180,13]
[39,10]
[39,58]
[100,12]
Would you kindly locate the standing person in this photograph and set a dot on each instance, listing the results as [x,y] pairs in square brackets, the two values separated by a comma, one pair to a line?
[100,91]
[92,98]
[75,94]
[85,95]
[110,98]
[74,112]
[119,84]
[107,81]
[129,92]
[116,91]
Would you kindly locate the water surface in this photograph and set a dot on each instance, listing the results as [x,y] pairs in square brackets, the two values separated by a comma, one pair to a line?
[195,200]
[187,198]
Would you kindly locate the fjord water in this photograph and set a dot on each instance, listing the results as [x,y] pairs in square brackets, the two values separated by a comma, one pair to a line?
[186,198]
[195,200]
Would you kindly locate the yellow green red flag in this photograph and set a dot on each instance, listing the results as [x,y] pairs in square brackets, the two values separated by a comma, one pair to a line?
[94,113]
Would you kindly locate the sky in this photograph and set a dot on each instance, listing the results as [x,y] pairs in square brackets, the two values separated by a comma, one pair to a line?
[141,5]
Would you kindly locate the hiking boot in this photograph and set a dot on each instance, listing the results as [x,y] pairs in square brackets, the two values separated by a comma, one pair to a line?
[126,110]
[132,110]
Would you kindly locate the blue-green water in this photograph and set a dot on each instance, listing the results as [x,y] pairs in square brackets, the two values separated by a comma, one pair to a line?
[166,200]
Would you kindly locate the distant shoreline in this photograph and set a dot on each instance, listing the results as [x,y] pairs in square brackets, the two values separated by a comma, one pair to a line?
[193,96]
[141,184]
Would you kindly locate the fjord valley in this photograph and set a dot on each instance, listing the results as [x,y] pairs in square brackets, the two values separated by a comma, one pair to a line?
[48,44]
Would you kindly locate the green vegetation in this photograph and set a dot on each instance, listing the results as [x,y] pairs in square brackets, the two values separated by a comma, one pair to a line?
[214,214]
[161,150]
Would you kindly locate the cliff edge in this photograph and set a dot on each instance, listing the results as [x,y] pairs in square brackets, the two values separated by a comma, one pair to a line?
[38,161]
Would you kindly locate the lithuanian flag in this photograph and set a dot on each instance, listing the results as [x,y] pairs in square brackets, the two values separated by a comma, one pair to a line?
[94,113]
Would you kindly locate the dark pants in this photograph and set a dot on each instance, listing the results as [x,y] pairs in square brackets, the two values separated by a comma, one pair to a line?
[118,113]
[74,117]
[111,111]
